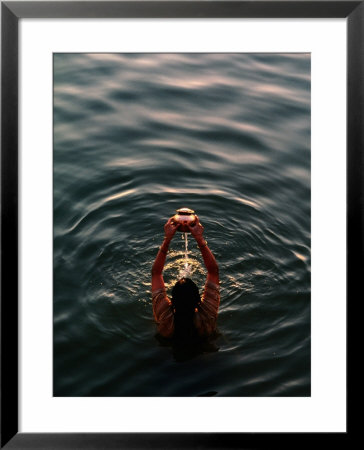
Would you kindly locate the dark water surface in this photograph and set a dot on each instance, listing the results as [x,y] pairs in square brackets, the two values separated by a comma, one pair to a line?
[137,136]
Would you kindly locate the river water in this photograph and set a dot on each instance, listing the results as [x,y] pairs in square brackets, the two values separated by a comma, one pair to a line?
[137,136]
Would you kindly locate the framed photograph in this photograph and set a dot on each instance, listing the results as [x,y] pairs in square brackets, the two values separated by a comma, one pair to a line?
[181,213]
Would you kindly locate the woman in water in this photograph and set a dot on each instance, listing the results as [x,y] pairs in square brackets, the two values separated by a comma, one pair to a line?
[186,315]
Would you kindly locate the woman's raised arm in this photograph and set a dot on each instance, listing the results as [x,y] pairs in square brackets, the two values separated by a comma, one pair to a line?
[208,258]
[157,270]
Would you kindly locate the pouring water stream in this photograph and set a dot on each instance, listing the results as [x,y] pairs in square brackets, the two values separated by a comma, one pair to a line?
[185,272]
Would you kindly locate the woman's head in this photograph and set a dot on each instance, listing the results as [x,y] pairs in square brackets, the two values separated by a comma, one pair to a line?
[185,297]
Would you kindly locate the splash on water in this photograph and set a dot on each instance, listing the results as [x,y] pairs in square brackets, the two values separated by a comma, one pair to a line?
[185,272]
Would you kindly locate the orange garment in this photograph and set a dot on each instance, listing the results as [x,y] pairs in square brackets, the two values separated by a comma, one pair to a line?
[204,319]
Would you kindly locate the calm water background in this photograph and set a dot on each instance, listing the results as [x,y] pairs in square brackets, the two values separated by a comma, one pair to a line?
[137,136]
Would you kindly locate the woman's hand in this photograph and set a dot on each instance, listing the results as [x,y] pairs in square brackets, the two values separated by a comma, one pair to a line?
[196,230]
[170,228]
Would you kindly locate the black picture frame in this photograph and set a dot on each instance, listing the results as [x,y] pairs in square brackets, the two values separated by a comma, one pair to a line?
[11,13]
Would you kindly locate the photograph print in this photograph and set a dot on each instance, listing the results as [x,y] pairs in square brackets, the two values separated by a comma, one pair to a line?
[182,224]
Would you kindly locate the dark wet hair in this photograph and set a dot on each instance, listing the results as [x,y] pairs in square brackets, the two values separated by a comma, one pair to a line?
[185,299]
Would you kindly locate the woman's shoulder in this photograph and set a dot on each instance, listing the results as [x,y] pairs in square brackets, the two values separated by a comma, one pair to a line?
[206,315]
[160,294]
[211,292]
[163,313]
